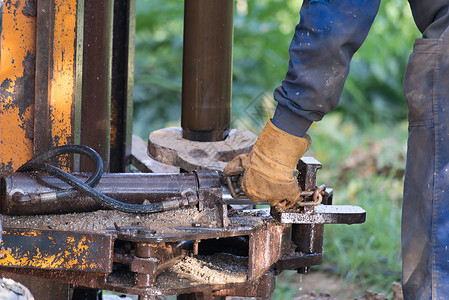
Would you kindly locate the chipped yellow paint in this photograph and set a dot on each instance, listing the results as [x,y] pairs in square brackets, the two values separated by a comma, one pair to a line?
[74,258]
[30,233]
[52,240]
[18,43]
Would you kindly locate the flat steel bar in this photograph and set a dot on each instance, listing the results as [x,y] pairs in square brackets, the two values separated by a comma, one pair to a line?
[122,84]
[96,89]
[207,69]
[323,214]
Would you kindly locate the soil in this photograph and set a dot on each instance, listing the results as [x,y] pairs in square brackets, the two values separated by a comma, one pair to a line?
[325,286]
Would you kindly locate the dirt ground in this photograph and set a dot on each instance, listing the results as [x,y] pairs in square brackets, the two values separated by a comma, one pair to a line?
[324,286]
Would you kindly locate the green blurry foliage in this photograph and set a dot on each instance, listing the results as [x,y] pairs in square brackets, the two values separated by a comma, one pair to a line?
[262,34]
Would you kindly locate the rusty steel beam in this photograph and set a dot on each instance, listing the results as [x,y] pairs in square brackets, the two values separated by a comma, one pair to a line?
[57,109]
[56,250]
[207,69]
[122,84]
[18,55]
[267,245]
[97,70]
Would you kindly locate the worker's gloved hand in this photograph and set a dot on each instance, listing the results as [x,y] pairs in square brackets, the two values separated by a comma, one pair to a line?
[269,171]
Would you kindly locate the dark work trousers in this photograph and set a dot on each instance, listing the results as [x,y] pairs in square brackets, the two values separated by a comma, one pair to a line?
[425,217]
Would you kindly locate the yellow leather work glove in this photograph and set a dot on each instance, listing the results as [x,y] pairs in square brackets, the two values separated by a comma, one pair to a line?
[269,170]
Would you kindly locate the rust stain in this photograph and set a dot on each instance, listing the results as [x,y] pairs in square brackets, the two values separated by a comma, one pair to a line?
[17,64]
[30,8]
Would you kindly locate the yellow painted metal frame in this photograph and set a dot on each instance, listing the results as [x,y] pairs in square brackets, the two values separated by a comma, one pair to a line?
[40,78]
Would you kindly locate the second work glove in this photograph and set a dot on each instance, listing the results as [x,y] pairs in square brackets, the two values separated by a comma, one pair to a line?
[269,171]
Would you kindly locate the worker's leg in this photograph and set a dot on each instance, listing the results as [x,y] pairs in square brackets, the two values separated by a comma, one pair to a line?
[425,217]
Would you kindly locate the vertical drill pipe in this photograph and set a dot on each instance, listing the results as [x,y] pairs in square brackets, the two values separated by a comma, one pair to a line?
[207,69]
[122,84]
[96,91]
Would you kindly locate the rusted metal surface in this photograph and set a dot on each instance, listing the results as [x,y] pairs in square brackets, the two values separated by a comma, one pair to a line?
[260,288]
[27,194]
[207,69]
[18,59]
[322,214]
[153,258]
[143,162]
[96,89]
[57,110]
[150,260]
[211,201]
[263,287]
[122,83]
[266,246]
[308,168]
[168,146]
[147,263]
[53,250]
[298,260]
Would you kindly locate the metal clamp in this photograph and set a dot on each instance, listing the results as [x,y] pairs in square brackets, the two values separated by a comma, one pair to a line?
[234,193]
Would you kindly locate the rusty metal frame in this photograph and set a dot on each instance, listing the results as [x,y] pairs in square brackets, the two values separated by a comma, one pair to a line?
[122,84]
[57,107]
[87,259]
[56,250]
[96,89]
[17,75]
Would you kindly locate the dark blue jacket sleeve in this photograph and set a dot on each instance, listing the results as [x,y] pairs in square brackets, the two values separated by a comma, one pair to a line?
[327,36]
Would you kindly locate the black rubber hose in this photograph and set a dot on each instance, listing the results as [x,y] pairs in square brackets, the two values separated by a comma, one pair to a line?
[70,149]
[88,190]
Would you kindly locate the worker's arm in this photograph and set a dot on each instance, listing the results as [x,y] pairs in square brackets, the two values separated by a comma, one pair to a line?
[327,36]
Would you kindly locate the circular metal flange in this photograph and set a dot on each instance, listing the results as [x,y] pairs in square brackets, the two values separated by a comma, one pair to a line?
[168,146]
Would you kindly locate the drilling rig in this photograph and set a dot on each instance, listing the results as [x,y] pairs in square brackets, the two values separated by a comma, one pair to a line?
[86,206]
